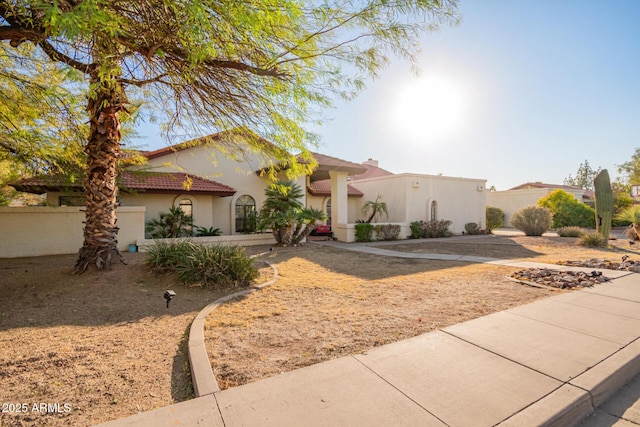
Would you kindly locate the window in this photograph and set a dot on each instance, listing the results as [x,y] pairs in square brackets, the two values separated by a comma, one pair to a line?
[328,210]
[71,200]
[187,207]
[434,210]
[245,214]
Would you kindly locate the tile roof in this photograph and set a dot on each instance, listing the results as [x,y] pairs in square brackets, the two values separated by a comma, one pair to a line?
[171,182]
[323,188]
[542,185]
[150,182]
[586,193]
[372,172]
[330,163]
[223,137]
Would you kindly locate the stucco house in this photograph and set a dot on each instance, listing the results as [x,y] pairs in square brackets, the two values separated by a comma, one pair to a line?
[523,195]
[222,188]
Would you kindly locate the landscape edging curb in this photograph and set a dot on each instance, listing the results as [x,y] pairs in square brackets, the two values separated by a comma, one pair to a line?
[204,381]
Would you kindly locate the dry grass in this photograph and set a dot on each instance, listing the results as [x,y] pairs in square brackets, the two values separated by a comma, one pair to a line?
[102,342]
[106,344]
[329,303]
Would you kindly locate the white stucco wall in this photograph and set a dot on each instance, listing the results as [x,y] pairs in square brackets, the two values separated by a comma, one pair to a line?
[409,196]
[511,201]
[209,211]
[320,202]
[44,230]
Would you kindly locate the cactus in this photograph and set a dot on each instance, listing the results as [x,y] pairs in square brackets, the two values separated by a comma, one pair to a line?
[604,202]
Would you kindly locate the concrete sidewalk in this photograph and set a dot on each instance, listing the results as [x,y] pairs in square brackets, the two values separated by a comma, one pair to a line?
[550,362]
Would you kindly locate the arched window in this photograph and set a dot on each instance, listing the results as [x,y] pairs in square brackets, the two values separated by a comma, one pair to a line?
[245,214]
[187,207]
[434,211]
[328,211]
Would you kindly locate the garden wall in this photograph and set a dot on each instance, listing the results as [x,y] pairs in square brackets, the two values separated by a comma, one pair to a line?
[44,230]
[235,239]
[511,201]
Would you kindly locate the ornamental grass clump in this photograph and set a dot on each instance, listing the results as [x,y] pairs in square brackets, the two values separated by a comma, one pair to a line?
[571,231]
[532,220]
[208,265]
[593,240]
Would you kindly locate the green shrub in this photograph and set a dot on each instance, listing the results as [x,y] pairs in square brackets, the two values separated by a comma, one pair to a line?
[533,220]
[209,265]
[495,218]
[416,230]
[430,229]
[567,210]
[570,231]
[435,228]
[165,257]
[175,223]
[387,231]
[472,228]
[593,239]
[203,231]
[364,232]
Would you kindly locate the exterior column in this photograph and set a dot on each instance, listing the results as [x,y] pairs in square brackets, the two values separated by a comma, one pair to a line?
[339,205]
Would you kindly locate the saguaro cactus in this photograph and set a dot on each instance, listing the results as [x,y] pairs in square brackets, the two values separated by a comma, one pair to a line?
[604,202]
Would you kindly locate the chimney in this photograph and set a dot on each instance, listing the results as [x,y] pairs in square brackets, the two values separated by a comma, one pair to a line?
[371,162]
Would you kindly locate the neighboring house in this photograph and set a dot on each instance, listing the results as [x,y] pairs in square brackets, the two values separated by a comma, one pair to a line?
[527,194]
[223,188]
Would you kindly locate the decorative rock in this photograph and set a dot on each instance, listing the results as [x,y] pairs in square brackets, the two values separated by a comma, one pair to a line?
[625,265]
[560,279]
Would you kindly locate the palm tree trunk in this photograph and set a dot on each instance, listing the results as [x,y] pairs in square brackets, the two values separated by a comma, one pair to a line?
[100,246]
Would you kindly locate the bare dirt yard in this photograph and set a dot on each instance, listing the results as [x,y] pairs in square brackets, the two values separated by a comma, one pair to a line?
[80,350]
[330,303]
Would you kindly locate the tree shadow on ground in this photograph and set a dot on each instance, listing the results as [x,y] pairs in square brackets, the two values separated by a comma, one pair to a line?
[42,292]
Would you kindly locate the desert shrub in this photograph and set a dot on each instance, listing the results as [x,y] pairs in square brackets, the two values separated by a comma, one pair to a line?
[533,220]
[472,228]
[209,265]
[364,232]
[416,230]
[570,231]
[567,210]
[631,215]
[421,229]
[593,239]
[387,231]
[435,228]
[495,218]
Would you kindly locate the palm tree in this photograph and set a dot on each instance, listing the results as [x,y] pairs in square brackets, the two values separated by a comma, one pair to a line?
[176,223]
[375,208]
[280,210]
[306,222]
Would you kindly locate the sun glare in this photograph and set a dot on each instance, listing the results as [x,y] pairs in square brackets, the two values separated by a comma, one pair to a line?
[428,108]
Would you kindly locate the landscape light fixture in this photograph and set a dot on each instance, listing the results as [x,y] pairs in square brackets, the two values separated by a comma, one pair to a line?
[168,295]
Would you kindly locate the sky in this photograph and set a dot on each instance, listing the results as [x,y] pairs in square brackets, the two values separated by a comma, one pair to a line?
[520,91]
